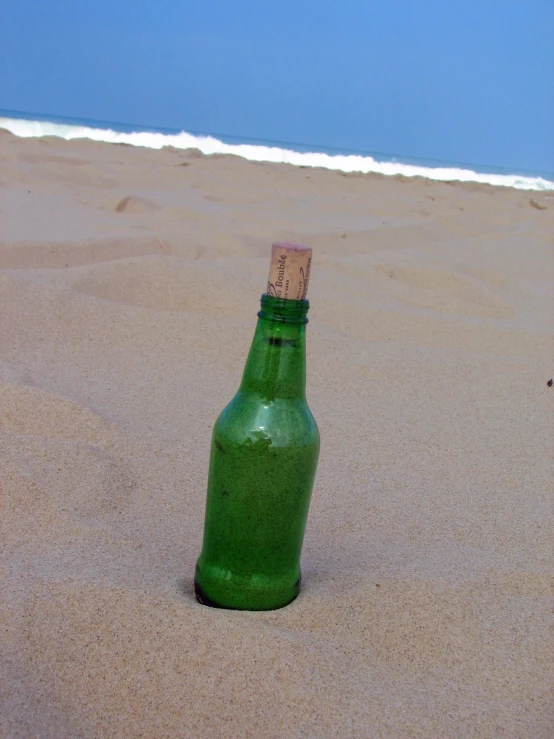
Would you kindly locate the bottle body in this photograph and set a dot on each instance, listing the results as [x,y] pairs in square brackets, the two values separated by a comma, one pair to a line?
[264,453]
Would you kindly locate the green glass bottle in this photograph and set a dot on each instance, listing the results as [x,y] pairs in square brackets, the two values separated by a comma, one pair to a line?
[264,453]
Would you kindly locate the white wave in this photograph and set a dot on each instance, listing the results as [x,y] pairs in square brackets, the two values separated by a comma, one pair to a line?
[258,153]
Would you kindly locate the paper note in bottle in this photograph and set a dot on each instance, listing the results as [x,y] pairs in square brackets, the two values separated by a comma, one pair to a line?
[264,453]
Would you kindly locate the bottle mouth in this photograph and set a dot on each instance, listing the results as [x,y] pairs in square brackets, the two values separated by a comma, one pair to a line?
[283,311]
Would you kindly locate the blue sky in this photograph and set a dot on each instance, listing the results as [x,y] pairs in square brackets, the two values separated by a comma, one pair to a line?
[460,81]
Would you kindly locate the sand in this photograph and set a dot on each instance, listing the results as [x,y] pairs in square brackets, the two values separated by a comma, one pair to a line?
[129,286]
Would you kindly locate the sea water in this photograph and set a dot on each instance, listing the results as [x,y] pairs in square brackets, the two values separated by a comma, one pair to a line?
[258,150]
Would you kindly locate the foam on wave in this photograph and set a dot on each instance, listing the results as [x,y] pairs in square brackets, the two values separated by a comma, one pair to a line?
[260,153]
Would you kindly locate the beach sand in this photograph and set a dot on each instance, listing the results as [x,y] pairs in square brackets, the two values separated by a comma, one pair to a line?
[129,285]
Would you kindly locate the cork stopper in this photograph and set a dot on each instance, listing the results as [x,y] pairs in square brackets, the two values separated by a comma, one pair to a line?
[289,271]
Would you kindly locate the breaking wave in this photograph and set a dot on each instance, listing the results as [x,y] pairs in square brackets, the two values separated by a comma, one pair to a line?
[267,153]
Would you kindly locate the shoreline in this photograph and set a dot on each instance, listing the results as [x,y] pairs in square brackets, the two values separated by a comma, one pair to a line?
[273,152]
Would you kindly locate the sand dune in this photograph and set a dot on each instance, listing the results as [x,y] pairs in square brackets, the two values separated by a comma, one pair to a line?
[129,286]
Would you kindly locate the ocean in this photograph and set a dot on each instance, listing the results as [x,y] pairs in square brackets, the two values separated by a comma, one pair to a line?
[303,155]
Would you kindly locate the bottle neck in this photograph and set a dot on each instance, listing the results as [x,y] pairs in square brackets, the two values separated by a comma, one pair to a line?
[276,364]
